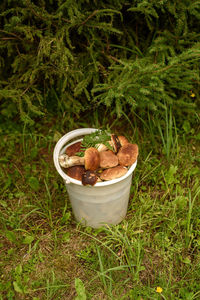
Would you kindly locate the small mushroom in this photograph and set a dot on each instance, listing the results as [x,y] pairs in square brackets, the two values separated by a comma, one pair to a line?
[90,160]
[128,154]
[123,140]
[108,159]
[73,149]
[113,173]
[89,178]
[76,172]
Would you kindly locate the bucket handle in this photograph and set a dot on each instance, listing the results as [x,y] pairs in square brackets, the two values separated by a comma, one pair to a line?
[62,142]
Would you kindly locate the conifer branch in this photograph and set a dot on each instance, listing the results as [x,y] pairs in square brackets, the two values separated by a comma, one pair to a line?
[93,53]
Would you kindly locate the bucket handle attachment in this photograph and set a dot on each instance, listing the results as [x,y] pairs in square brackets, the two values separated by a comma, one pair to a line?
[67,181]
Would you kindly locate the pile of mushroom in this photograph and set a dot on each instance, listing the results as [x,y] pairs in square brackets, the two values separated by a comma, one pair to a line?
[100,163]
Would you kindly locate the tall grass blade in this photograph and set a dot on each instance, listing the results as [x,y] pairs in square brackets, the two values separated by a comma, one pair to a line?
[168,134]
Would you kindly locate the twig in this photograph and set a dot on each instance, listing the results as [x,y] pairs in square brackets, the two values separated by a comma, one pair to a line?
[7,38]
[114,58]
[90,16]
[11,34]
[26,89]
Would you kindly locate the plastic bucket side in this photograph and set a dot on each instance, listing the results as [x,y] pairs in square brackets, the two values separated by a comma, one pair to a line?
[104,203]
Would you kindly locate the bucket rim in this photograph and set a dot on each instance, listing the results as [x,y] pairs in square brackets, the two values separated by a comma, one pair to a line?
[75,134]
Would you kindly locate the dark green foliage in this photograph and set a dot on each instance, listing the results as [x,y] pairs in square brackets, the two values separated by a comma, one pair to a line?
[72,56]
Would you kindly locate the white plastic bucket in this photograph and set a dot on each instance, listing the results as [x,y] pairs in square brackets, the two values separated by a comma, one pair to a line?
[105,202]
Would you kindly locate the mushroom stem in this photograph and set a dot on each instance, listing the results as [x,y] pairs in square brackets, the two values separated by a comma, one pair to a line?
[101,147]
[69,161]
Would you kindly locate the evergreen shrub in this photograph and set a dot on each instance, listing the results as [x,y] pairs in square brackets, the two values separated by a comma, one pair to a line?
[74,55]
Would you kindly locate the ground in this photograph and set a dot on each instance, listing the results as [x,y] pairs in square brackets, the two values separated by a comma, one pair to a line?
[154,253]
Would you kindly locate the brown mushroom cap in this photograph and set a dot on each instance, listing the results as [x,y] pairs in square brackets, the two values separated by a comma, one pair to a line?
[108,159]
[123,140]
[76,172]
[92,159]
[128,154]
[113,173]
[89,178]
[73,149]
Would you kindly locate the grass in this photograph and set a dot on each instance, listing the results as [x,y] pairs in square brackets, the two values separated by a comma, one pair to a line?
[45,254]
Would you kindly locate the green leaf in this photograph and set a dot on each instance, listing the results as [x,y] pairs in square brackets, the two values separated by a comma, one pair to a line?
[19,194]
[11,236]
[170,174]
[66,217]
[66,237]
[18,270]
[80,289]
[197,137]
[186,126]
[187,260]
[28,240]
[8,183]
[57,136]
[34,152]
[17,288]
[3,203]
[181,201]
[34,183]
